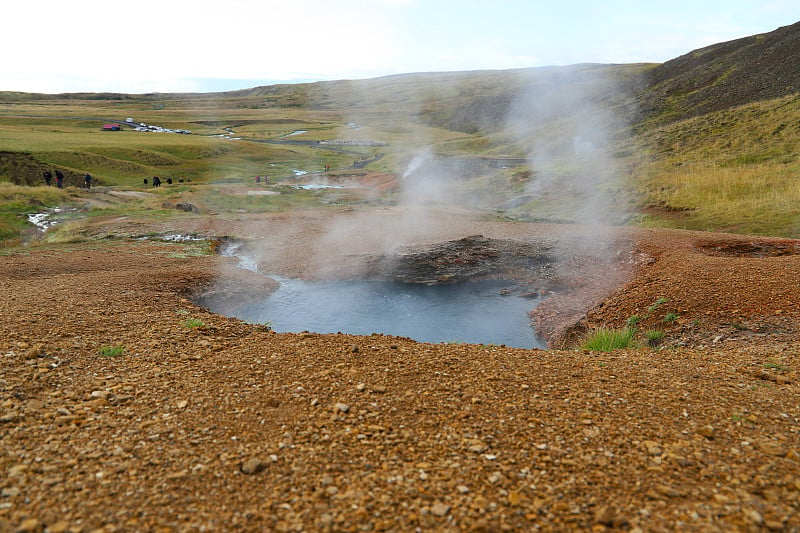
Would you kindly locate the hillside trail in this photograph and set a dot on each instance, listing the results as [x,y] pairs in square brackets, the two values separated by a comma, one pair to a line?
[204,422]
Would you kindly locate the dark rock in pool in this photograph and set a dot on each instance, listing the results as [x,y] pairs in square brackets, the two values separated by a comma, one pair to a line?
[470,258]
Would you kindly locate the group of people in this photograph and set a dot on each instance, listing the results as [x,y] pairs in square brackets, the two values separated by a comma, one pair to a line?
[157,181]
[48,179]
[87,179]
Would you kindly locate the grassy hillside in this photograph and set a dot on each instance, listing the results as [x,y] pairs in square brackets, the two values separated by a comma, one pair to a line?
[705,141]
[734,170]
[723,76]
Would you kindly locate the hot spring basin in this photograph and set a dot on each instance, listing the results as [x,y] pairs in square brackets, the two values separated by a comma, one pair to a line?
[476,312]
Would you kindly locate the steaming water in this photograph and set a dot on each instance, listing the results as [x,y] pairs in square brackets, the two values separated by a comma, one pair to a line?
[44,221]
[471,312]
[317,186]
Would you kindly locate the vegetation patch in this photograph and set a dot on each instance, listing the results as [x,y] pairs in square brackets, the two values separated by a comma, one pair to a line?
[193,323]
[111,351]
[608,340]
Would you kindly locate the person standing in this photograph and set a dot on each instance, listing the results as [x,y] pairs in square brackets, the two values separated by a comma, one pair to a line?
[59,179]
[87,179]
[48,177]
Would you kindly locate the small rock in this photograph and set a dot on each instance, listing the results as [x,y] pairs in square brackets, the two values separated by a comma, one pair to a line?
[100,394]
[8,417]
[774,449]
[361,387]
[59,527]
[754,516]
[34,352]
[9,492]
[28,526]
[186,207]
[182,404]
[440,509]
[252,466]
[707,431]
[495,477]
[477,446]
[653,448]
[671,492]
[341,407]
[606,515]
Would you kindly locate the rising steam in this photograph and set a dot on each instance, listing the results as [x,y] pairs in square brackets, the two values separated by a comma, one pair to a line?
[566,119]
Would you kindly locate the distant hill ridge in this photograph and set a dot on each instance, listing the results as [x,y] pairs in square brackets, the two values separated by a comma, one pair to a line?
[724,75]
[713,78]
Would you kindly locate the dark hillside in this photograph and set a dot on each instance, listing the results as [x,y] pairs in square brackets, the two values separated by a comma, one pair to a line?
[724,75]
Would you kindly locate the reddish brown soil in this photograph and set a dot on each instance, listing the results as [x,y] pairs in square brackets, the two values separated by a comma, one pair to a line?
[227,426]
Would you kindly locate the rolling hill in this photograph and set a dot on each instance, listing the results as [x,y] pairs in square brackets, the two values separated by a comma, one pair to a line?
[704,141]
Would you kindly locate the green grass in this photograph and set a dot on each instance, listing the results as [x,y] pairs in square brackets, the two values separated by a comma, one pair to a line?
[607,340]
[111,351]
[671,317]
[16,202]
[193,323]
[772,365]
[733,170]
[654,337]
[633,321]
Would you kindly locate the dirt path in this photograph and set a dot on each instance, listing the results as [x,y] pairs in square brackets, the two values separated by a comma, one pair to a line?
[208,423]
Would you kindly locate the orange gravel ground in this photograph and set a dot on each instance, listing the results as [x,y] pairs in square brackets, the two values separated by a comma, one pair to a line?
[227,426]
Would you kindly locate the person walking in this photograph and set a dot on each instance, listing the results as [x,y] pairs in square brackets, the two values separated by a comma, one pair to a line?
[48,177]
[59,179]
[87,179]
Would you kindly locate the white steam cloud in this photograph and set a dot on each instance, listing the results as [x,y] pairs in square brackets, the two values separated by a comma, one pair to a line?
[565,118]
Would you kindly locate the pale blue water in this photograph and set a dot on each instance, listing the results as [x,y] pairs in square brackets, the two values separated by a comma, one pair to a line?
[469,312]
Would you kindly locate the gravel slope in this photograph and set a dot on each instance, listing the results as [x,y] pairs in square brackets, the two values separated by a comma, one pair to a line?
[227,426]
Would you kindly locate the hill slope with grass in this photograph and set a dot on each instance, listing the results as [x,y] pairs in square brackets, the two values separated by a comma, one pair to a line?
[705,141]
[723,76]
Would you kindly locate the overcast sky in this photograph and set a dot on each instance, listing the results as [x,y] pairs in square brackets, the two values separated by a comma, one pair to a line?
[201,45]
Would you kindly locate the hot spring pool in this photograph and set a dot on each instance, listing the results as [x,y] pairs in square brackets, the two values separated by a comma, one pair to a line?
[481,312]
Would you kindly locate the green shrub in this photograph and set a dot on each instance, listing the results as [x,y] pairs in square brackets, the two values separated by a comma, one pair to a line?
[671,317]
[607,340]
[654,337]
[194,323]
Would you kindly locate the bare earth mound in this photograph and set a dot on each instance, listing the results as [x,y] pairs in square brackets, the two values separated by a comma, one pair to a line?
[207,423]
